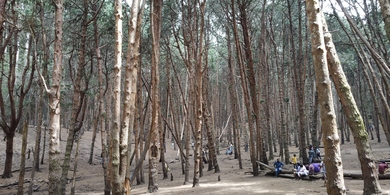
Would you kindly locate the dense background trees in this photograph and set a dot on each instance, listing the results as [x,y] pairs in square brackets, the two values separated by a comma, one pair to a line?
[222,72]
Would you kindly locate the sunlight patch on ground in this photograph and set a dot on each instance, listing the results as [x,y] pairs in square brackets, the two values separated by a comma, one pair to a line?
[216,188]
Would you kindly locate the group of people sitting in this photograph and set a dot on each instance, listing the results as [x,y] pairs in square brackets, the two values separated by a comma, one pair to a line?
[301,170]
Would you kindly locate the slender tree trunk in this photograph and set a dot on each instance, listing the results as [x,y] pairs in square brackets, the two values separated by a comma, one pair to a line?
[162,133]
[37,147]
[44,146]
[117,185]
[243,6]
[333,163]
[78,100]
[76,157]
[130,88]
[23,158]
[155,15]
[41,94]
[198,110]
[95,129]
[252,148]
[54,105]
[233,100]
[283,153]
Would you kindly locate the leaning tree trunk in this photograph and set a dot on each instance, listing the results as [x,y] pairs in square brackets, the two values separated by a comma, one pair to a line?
[331,140]
[354,119]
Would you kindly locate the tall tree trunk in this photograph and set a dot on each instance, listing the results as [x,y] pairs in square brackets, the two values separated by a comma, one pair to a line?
[37,147]
[78,110]
[41,92]
[283,141]
[243,6]
[198,110]
[155,23]
[333,163]
[130,89]
[117,185]
[101,111]
[54,105]
[244,85]
[233,100]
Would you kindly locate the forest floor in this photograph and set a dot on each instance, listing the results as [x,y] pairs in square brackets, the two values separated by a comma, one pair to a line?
[233,180]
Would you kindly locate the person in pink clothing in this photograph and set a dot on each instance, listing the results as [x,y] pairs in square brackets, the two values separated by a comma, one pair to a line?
[383,167]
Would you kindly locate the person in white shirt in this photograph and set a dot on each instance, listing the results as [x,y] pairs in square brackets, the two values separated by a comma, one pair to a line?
[301,172]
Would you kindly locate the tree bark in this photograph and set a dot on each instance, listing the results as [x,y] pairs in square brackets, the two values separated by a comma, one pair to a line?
[333,163]
[95,129]
[198,89]
[39,116]
[54,105]
[77,115]
[243,6]
[76,158]
[385,10]
[155,23]
[23,158]
[248,109]
[117,184]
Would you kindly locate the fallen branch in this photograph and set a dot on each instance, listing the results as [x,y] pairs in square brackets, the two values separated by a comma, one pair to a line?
[273,169]
[17,170]
[359,176]
[383,160]
[291,176]
[265,165]
[14,183]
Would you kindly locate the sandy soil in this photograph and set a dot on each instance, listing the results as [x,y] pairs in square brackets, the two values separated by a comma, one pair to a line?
[233,179]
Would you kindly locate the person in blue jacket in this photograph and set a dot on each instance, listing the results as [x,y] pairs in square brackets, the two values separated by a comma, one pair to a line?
[278,167]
